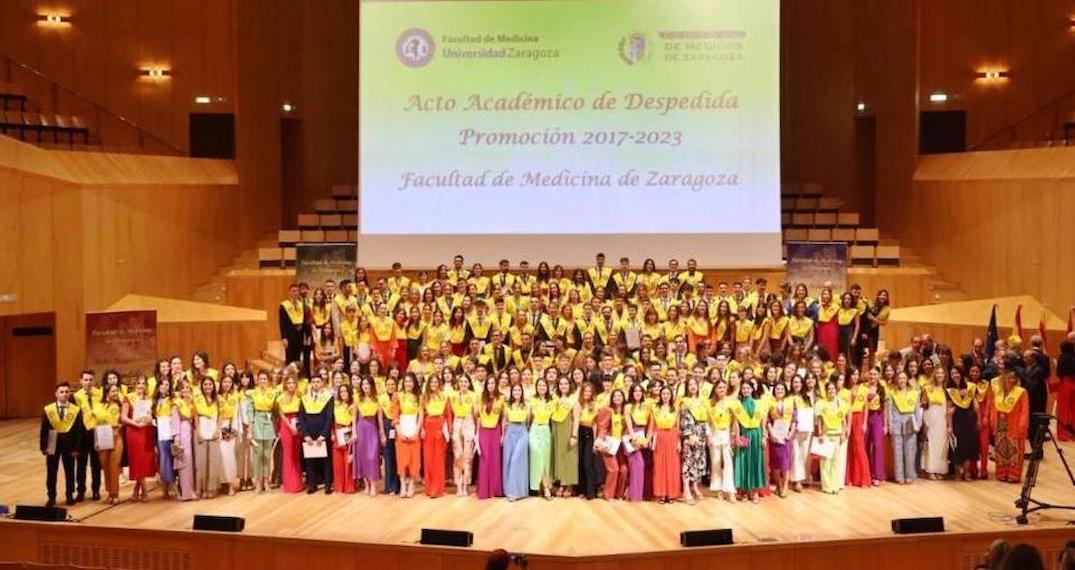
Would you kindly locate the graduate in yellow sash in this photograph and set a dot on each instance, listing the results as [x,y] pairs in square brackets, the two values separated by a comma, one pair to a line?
[61,435]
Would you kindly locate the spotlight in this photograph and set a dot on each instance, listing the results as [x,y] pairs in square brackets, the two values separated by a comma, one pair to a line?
[53,19]
[993,75]
[938,97]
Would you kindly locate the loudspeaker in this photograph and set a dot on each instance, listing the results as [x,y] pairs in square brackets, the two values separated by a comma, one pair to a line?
[34,513]
[219,524]
[715,537]
[446,537]
[918,525]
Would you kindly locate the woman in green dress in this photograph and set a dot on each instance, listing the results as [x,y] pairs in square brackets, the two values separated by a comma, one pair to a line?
[565,429]
[541,408]
[749,458]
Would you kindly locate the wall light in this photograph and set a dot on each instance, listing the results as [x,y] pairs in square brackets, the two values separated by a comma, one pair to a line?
[860,107]
[938,97]
[156,72]
[54,19]
[203,99]
[287,107]
[993,74]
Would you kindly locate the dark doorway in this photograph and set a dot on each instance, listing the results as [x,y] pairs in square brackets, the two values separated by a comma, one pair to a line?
[291,170]
[27,363]
[212,135]
[942,131]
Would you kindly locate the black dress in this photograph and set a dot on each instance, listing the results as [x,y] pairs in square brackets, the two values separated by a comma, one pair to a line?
[965,430]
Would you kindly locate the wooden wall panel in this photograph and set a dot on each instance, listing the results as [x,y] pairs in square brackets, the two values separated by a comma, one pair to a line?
[999,236]
[1032,41]
[71,247]
[100,53]
[34,542]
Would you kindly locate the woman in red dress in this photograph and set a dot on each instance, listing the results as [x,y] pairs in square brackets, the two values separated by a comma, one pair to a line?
[287,405]
[664,435]
[141,441]
[828,332]
[435,436]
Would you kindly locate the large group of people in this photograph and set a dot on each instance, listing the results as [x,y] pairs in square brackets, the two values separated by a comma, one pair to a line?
[651,385]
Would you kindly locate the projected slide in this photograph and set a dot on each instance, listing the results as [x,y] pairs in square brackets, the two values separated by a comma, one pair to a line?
[638,124]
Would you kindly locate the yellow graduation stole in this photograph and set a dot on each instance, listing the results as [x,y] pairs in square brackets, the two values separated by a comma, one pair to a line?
[164,408]
[832,413]
[64,424]
[107,414]
[264,399]
[435,405]
[905,400]
[314,405]
[750,421]
[962,400]
[382,327]
[289,403]
[294,311]
[1007,403]
[205,409]
[185,409]
[935,395]
[343,414]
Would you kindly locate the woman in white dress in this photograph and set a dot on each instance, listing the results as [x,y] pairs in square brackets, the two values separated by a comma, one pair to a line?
[936,422]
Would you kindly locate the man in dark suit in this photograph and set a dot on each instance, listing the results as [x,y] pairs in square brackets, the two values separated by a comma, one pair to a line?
[61,436]
[1034,378]
[315,425]
[292,319]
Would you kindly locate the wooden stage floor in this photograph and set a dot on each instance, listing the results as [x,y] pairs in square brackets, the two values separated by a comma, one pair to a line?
[562,527]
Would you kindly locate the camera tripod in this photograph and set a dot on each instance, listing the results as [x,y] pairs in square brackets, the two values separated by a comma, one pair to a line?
[1044,432]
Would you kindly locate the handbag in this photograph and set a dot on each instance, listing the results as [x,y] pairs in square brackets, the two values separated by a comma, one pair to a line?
[177,451]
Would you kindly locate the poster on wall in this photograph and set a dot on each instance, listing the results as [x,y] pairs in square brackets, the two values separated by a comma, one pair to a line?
[122,340]
[317,262]
[816,264]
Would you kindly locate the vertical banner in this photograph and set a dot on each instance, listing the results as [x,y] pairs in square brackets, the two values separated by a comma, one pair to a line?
[123,340]
[816,264]
[317,262]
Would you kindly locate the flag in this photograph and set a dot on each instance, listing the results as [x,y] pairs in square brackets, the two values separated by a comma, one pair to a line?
[1017,331]
[991,336]
[1041,333]
[1071,318]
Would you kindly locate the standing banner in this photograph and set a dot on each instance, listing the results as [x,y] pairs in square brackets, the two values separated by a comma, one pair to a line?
[317,262]
[122,340]
[816,264]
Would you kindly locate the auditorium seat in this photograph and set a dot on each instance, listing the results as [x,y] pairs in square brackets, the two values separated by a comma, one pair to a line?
[309,221]
[843,234]
[867,236]
[289,257]
[824,219]
[802,219]
[787,204]
[828,205]
[352,235]
[806,203]
[888,255]
[331,221]
[785,219]
[289,237]
[350,221]
[12,97]
[795,234]
[344,191]
[313,236]
[335,236]
[346,205]
[847,219]
[862,254]
[325,206]
[270,257]
[818,234]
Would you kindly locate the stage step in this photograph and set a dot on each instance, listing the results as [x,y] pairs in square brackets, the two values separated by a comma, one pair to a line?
[944,291]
